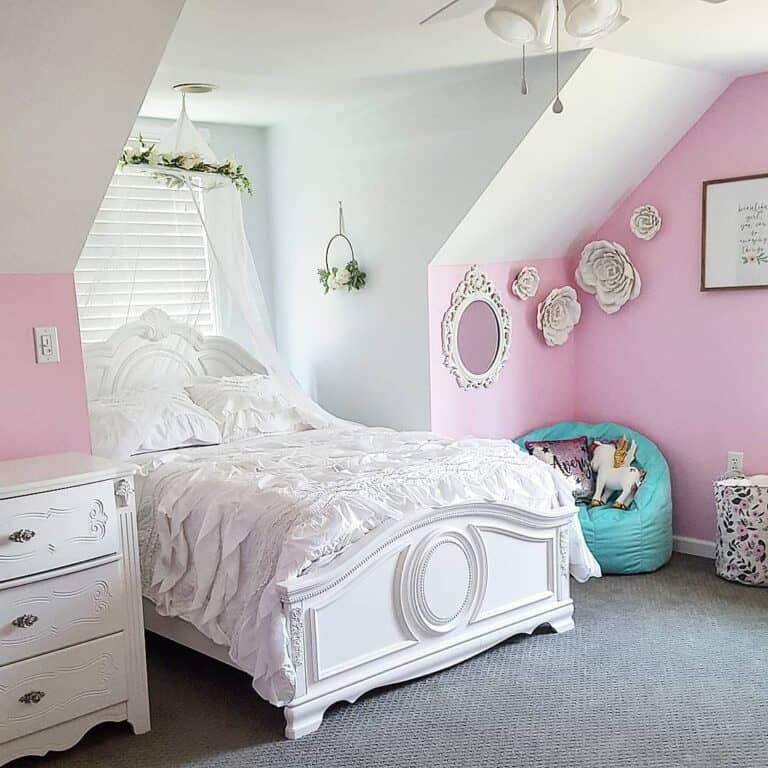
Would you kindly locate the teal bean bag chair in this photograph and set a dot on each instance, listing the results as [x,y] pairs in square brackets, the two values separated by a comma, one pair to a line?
[638,540]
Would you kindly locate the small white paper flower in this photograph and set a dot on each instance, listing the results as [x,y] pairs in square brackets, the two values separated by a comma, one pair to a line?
[645,222]
[606,272]
[557,315]
[526,283]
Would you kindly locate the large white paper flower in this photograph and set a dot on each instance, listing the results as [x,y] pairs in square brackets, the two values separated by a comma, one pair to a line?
[606,272]
[645,222]
[557,315]
[526,283]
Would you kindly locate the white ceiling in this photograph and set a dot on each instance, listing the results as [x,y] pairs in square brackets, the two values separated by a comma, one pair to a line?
[276,59]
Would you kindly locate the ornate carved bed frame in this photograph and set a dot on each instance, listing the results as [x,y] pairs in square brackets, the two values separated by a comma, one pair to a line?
[412,597]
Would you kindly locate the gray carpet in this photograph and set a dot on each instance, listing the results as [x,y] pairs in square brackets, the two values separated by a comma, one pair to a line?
[669,669]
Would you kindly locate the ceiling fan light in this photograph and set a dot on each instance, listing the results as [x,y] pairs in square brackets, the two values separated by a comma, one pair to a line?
[589,20]
[522,22]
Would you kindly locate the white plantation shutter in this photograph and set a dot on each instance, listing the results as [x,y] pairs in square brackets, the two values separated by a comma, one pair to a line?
[147,248]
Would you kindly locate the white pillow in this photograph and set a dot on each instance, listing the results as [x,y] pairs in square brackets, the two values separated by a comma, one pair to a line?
[138,421]
[181,424]
[120,422]
[245,406]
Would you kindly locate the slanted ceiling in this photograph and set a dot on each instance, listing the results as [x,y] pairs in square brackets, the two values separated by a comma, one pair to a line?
[72,78]
[622,115]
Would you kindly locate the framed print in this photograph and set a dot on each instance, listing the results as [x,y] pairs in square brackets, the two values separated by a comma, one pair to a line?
[734,233]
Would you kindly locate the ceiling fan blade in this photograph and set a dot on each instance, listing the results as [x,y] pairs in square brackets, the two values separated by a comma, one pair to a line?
[454,10]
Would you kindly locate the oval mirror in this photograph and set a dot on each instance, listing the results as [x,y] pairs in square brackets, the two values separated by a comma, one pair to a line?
[478,337]
[476,332]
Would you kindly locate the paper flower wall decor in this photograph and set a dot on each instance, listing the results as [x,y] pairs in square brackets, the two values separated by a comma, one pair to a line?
[606,272]
[645,222]
[557,315]
[526,283]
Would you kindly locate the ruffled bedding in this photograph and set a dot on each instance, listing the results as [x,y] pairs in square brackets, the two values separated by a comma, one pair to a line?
[221,526]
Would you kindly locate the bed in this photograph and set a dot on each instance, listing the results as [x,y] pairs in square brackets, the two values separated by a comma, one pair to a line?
[329,562]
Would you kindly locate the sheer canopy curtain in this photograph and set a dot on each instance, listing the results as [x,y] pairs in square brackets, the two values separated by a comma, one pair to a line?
[175,240]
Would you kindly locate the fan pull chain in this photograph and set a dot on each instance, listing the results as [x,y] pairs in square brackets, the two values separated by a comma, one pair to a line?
[557,107]
[524,84]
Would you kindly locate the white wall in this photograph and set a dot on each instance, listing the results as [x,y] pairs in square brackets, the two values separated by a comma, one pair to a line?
[408,167]
[72,78]
[622,115]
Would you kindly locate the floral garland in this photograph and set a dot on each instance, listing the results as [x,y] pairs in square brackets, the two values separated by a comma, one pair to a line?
[145,154]
[349,277]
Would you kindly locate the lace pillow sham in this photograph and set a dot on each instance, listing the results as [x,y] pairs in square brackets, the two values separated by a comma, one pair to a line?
[246,406]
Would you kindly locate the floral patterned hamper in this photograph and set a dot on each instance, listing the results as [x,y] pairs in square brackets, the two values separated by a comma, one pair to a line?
[742,530]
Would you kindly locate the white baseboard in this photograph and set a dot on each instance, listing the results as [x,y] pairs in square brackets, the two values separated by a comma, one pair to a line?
[698,547]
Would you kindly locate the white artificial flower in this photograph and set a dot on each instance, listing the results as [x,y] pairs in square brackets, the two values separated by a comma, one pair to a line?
[343,276]
[154,158]
[190,160]
[526,283]
[606,272]
[645,222]
[557,315]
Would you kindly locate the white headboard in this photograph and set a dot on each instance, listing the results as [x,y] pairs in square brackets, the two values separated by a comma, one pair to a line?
[156,351]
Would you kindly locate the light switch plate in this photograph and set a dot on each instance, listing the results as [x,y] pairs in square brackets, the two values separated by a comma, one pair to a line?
[735,466]
[46,344]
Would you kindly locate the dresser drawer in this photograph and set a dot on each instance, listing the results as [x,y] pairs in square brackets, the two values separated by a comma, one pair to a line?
[59,686]
[57,612]
[57,528]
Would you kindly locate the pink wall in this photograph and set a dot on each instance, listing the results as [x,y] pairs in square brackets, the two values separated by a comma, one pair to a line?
[688,369]
[42,407]
[535,386]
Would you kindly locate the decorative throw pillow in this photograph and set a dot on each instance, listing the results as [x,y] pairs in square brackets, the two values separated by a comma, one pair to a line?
[571,457]
[142,420]
[121,421]
[182,424]
[246,406]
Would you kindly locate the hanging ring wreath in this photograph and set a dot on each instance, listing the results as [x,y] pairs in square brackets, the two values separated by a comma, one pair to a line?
[350,275]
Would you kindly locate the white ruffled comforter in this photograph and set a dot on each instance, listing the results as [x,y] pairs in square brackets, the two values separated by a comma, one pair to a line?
[220,527]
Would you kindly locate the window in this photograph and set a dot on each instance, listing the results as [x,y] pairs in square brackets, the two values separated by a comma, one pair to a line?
[147,248]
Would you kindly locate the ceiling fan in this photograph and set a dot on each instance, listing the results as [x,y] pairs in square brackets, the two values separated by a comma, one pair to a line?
[532,23]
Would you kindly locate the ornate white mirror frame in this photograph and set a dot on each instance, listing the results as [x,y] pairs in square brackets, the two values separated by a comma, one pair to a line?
[476,286]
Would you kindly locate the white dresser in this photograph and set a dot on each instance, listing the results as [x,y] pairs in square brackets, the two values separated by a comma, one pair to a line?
[71,632]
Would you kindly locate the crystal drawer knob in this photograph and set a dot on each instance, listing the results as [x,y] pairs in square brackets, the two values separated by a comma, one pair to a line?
[21,536]
[33,697]
[25,621]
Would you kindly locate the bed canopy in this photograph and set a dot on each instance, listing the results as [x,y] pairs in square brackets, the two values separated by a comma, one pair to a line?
[170,235]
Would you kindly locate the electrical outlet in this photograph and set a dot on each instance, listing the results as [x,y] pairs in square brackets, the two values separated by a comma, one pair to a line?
[46,344]
[735,463]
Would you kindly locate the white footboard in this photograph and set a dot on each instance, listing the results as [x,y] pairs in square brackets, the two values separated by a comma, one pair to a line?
[420,595]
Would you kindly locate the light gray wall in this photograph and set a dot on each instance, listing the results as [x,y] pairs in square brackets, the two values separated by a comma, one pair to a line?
[248,145]
[408,166]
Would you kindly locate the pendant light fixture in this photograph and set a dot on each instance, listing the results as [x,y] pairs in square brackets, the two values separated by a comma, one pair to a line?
[527,23]
[589,20]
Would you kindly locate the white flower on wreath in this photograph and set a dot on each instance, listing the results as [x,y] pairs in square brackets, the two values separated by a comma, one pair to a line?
[339,279]
[154,157]
[526,283]
[645,222]
[557,315]
[606,272]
